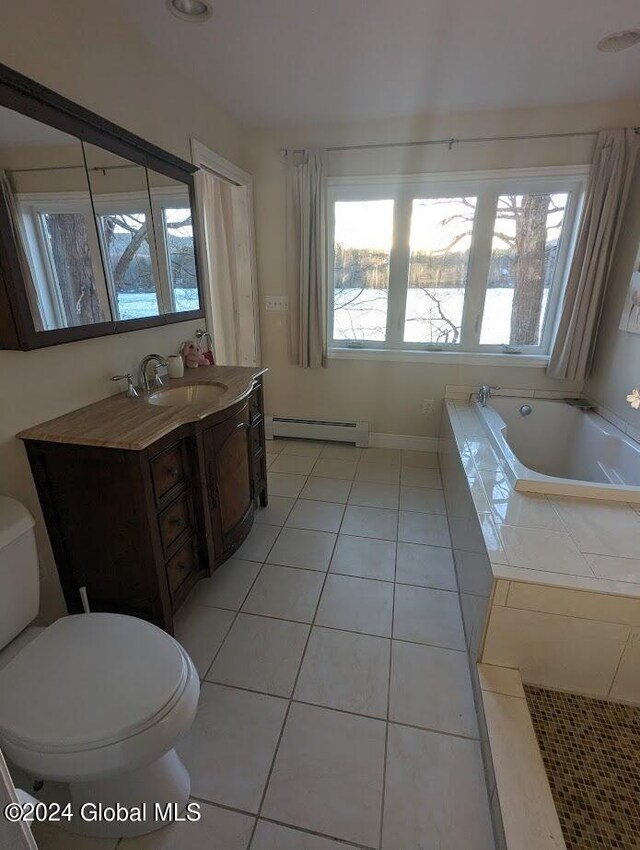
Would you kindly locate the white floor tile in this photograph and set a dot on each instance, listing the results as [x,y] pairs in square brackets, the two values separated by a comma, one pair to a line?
[272,836]
[430,529]
[336,451]
[283,484]
[390,457]
[269,458]
[435,793]
[302,448]
[51,837]
[377,473]
[285,592]
[262,654]
[326,489]
[276,512]
[275,446]
[420,460]
[328,774]
[258,543]
[228,586]
[346,671]
[293,464]
[217,829]
[357,605]
[329,468]
[370,522]
[201,630]
[229,749]
[429,566]
[431,687]
[316,516]
[428,616]
[410,477]
[374,495]
[616,569]
[365,557]
[297,547]
[423,500]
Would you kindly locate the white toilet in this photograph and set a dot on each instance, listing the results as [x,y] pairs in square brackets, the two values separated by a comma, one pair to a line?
[96,701]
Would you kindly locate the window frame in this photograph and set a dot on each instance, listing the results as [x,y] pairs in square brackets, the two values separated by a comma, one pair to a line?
[45,298]
[486,186]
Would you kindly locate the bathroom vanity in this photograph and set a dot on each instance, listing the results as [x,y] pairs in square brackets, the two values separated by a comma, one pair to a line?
[144,496]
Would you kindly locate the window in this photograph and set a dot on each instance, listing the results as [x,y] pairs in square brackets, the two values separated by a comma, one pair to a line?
[147,246]
[471,264]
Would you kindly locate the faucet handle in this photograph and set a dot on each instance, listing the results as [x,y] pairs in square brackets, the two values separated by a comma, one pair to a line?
[131,390]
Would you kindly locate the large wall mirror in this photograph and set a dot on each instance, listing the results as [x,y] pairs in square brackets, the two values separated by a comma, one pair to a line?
[96,226]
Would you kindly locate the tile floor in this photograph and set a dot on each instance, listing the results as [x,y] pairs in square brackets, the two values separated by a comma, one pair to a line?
[336,707]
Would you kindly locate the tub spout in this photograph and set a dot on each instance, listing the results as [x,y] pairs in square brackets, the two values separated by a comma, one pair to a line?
[484,394]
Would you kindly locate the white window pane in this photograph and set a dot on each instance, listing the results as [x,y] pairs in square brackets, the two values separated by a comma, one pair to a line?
[363,236]
[129,261]
[523,262]
[440,240]
[182,262]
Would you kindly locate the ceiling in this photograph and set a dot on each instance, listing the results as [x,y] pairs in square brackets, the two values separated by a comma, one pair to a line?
[274,62]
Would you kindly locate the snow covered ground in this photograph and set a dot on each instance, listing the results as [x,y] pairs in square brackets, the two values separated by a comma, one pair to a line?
[362,314]
[138,305]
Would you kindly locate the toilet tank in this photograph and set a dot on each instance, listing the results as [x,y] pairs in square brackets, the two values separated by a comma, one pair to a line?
[19,575]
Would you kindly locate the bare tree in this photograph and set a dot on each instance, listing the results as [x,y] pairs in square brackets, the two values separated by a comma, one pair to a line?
[74,271]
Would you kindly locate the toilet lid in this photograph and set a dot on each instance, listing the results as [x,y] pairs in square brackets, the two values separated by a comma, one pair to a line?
[89,680]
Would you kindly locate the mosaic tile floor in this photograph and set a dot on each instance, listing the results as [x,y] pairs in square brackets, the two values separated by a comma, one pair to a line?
[591,751]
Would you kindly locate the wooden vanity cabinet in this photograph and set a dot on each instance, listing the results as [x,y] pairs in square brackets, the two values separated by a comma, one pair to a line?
[139,528]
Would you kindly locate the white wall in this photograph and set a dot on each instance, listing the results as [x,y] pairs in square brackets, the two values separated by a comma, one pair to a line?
[389,395]
[616,368]
[87,52]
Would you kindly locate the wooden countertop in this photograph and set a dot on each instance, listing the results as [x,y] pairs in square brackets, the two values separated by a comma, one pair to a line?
[119,422]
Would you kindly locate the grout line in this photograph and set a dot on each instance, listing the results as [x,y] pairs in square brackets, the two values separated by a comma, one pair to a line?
[386,727]
[290,703]
[343,629]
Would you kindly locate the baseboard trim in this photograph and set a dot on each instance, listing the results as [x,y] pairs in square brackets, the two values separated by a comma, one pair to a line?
[403,441]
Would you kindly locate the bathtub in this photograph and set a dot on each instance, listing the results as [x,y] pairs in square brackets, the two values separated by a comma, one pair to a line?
[561,449]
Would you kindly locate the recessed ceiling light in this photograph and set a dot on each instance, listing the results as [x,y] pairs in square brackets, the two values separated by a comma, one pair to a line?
[619,41]
[190,10]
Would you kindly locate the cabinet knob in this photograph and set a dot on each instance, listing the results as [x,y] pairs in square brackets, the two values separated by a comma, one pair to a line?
[176,520]
[173,471]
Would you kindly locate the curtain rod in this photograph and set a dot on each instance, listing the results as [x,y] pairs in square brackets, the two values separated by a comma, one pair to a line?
[449,142]
[70,168]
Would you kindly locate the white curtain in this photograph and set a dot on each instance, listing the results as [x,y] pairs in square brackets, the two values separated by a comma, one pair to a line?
[227,232]
[307,257]
[609,182]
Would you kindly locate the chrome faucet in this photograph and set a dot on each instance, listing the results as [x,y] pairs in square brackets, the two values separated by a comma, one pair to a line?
[143,379]
[484,394]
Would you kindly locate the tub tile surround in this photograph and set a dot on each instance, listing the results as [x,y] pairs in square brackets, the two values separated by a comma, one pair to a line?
[564,572]
[316,730]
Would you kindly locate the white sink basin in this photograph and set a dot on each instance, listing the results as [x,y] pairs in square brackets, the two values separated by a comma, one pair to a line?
[193,394]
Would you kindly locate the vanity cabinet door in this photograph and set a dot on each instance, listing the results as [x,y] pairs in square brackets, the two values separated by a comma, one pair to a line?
[230,481]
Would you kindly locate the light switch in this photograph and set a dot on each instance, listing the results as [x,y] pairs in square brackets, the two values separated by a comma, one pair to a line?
[277,302]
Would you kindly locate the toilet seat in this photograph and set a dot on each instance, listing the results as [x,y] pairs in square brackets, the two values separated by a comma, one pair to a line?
[93,695]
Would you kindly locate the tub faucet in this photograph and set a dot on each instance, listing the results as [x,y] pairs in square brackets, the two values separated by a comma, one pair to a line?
[484,394]
[143,378]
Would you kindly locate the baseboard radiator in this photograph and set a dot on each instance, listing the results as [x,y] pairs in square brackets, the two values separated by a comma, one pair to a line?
[356,433]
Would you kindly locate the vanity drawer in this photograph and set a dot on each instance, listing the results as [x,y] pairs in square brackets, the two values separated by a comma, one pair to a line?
[175,520]
[183,563]
[168,470]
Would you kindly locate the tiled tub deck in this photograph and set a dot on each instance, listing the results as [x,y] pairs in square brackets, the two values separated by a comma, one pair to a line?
[550,592]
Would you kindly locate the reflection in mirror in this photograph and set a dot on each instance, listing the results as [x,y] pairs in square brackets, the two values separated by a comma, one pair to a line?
[125,226]
[173,224]
[45,193]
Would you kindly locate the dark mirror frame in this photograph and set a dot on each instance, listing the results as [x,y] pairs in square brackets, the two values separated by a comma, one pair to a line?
[21,94]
